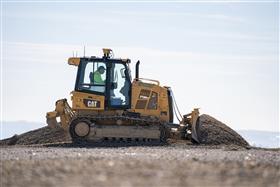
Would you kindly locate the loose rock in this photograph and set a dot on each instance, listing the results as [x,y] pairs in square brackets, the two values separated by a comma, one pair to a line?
[214,132]
[39,136]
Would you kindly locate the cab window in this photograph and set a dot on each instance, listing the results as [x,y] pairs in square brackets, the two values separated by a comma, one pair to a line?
[93,77]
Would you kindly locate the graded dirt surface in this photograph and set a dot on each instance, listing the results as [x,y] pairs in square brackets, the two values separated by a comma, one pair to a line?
[172,165]
[46,157]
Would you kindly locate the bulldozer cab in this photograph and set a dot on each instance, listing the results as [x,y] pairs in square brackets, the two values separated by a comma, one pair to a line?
[105,77]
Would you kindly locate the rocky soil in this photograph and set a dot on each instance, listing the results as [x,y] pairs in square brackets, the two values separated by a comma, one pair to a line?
[214,132]
[42,135]
[46,157]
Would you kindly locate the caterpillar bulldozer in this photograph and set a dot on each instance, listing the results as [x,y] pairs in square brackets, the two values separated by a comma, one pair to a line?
[107,105]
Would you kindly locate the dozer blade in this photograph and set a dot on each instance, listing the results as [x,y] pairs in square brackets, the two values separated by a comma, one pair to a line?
[196,131]
[192,120]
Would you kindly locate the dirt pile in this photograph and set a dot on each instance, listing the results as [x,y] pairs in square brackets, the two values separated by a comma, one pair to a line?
[214,132]
[39,136]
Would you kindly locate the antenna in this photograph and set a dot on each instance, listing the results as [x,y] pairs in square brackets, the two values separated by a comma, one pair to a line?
[84,51]
[73,54]
[76,53]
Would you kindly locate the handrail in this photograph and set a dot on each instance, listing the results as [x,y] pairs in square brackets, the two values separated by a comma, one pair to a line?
[152,80]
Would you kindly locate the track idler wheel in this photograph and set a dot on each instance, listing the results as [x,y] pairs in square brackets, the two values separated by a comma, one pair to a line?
[79,130]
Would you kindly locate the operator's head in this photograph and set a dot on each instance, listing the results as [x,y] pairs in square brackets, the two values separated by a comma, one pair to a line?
[101,69]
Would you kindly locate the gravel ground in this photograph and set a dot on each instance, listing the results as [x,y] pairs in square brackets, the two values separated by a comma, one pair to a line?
[172,165]
[38,158]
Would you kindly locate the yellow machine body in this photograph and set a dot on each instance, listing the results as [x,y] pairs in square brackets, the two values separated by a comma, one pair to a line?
[87,101]
[148,99]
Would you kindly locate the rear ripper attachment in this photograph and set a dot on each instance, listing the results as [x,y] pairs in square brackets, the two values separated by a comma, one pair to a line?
[63,112]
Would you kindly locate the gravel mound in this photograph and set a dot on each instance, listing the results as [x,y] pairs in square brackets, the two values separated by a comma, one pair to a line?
[214,132]
[39,136]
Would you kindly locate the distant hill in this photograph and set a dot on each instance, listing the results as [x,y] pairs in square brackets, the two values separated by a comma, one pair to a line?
[261,138]
[10,128]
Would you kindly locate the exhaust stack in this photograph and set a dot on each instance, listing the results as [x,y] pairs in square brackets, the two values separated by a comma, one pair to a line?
[137,70]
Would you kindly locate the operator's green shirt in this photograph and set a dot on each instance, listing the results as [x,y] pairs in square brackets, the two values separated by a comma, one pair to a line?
[97,78]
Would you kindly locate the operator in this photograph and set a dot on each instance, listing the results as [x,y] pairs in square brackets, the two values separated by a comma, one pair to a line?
[125,89]
[96,79]
[97,75]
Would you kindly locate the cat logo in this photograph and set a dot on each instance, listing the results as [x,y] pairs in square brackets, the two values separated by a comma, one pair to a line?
[92,103]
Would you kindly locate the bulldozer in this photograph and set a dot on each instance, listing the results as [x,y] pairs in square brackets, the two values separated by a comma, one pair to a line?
[108,105]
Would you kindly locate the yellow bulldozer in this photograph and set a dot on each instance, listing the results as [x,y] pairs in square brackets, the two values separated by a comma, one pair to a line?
[107,105]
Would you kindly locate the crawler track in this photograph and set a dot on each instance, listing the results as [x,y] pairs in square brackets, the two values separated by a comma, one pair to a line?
[127,122]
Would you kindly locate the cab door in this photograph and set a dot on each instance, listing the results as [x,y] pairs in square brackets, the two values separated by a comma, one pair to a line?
[120,86]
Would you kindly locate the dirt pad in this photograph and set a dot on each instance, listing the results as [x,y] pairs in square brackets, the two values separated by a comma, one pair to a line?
[214,132]
[39,136]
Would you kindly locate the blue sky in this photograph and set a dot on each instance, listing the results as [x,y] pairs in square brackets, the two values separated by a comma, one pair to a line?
[180,26]
[221,57]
